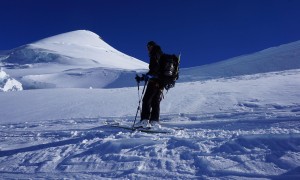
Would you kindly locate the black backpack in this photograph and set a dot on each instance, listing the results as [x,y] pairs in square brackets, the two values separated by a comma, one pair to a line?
[169,70]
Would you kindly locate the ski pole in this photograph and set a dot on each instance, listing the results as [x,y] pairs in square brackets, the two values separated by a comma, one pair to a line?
[140,99]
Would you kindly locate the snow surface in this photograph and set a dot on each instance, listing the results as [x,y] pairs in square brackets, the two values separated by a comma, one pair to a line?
[8,84]
[81,47]
[244,126]
[77,59]
[279,58]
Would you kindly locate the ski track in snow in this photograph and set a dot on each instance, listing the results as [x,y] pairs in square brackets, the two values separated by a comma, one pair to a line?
[226,145]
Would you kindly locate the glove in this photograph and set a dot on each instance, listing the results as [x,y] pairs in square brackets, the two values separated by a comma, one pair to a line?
[145,77]
[139,79]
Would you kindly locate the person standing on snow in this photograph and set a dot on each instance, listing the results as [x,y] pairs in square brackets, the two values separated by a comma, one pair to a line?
[151,100]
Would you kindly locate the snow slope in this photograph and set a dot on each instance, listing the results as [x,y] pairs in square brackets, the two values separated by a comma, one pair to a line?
[273,59]
[83,60]
[232,127]
[81,47]
[80,58]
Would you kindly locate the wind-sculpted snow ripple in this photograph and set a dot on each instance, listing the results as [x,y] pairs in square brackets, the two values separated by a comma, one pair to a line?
[86,148]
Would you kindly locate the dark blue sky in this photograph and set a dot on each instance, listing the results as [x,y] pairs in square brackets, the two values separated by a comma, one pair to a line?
[205,31]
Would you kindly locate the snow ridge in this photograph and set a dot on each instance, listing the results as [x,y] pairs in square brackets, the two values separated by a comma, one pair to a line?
[284,57]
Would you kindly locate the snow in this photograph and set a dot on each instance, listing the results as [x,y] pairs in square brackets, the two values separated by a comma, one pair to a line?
[78,58]
[81,47]
[233,126]
[274,59]
[8,84]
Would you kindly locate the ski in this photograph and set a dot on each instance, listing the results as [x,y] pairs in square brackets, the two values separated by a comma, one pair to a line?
[127,127]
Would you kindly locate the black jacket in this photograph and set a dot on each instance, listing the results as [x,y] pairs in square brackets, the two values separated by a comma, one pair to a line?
[154,64]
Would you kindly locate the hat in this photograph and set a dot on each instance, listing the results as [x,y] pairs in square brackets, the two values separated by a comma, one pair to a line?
[151,43]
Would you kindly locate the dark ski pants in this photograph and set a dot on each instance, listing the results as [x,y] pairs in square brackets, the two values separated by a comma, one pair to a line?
[151,101]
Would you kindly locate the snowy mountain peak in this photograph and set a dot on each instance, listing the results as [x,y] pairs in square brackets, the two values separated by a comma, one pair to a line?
[77,48]
[79,37]
[77,59]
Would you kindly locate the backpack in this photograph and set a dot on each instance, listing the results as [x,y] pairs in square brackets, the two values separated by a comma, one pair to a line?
[169,71]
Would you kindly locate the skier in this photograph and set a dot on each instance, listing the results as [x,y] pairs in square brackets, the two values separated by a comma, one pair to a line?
[154,91]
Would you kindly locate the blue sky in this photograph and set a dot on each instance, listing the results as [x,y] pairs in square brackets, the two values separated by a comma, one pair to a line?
[204,31]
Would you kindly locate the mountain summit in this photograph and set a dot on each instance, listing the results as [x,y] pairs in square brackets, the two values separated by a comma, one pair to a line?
[80,47]
[77,59]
